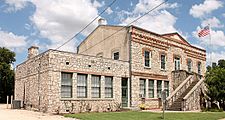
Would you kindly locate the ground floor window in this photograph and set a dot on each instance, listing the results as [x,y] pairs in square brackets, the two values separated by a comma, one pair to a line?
[142,86]
[66,85]
[151,88]
[81,85]
[108,87]
[95,86]
[166,87]
[159,88]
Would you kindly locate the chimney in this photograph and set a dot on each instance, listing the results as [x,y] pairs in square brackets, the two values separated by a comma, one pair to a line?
[102,21]
[32,51]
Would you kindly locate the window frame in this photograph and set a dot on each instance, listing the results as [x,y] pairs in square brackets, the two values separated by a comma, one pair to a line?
[167,88]
[66,85]
[85,86]
[159,89]
[140,88]
[199,65]
[95,86]
[189,65]
[148,58]
[110,87]
[113,55]
[151,88]
[161,62]
[176,61]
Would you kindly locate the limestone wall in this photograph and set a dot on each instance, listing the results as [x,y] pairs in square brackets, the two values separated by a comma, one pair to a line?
[143,40]
[41,77]
[31,82]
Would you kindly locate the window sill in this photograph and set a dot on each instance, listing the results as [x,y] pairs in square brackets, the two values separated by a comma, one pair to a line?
[145,67]
[87,99]
[154,99]
[163,70]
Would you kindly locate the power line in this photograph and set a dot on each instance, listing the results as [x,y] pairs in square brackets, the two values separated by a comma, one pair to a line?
[87,25]
[128,24]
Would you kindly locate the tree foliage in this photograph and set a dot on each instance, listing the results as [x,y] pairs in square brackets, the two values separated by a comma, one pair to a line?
[7,57]
[215,81]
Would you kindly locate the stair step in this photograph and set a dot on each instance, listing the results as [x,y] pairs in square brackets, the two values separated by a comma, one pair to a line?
[177,104]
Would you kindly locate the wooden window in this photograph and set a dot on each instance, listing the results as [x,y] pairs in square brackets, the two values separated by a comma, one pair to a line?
[66,85]
[163,62]
[95,86]
[177,63]
[166,87]
[199,68]
[159,88]
[147,59]
[108,87]
[142,88]
[189,65]
[151,88]
[116,55]
[82,86]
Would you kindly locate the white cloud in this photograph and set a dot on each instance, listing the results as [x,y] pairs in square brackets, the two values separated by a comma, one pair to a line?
[59,20]
[109,11]
[160,20]
[215,56]
[214,23]
[15,5]
[204,8]
[12,41]
[223,14]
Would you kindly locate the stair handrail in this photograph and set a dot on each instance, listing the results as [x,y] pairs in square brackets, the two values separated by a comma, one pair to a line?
[179,87]
[193,89]
[185,104]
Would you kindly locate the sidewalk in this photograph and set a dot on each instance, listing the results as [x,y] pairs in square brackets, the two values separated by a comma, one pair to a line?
[13,114]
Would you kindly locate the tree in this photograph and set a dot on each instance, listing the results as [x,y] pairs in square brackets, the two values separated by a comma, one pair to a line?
[7,57]
[221,63]
[215,82]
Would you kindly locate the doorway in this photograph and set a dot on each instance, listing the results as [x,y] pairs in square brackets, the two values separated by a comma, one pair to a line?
[124,86]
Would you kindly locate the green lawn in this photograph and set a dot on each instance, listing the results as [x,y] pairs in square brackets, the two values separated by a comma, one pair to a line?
[148,116]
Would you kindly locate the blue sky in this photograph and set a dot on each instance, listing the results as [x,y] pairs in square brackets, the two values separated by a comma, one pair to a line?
[48,24]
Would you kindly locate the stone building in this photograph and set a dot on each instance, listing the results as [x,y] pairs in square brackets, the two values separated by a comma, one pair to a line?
[115,67]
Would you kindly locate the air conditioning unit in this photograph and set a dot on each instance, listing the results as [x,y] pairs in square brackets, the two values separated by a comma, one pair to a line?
[16,104]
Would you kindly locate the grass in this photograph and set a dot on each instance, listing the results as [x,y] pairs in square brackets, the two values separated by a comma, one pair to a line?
[148,116]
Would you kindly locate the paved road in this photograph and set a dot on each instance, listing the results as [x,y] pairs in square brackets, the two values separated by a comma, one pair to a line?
[12,114]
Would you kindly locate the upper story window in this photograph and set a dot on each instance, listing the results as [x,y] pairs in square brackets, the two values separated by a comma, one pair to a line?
[163,62]
[147,57]
[66,85]
[199,67]
[116,55]
[177,63]
[189,65]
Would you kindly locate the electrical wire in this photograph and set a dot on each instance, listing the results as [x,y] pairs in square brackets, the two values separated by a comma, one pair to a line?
[127,25]
[87,25]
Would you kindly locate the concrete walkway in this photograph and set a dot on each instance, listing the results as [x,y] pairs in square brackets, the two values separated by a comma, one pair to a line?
[12,114]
